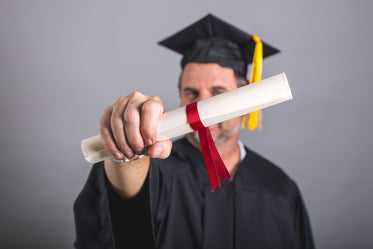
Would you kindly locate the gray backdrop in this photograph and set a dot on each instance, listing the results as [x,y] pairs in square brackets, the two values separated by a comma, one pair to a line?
[63,62]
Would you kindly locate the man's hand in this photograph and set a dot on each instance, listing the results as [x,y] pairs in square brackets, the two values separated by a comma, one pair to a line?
[129,127]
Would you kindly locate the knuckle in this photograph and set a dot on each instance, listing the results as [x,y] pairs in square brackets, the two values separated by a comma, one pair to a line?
[117,124]
[107,110]
[150,107]
[155,99]
[105,114]
[129,117]
[135,95]
[121,99]
[154,105]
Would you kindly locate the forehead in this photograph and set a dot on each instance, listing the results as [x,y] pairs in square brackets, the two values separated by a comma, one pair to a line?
[198,75]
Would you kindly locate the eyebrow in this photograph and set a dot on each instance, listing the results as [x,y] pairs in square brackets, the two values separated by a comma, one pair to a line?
[219,88]
[212,88]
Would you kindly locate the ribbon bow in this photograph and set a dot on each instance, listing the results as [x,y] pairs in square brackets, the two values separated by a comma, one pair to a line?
[214,164]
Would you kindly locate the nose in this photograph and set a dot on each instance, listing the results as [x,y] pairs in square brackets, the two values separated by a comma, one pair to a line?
[204,95]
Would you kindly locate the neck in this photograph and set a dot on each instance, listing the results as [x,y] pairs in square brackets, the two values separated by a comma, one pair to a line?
[229,151]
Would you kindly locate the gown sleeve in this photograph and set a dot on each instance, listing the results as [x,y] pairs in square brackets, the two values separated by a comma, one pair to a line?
[131,220]
[104,220]
[91,211]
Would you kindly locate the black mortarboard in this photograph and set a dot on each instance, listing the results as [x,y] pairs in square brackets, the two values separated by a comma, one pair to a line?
[212,40]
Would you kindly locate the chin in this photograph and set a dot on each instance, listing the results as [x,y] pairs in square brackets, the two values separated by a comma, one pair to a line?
[219,135]
[194,138]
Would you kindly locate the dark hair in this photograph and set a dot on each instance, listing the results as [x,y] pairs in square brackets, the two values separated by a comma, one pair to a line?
[240,79]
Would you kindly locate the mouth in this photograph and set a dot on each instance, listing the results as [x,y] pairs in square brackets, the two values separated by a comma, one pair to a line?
[214,130]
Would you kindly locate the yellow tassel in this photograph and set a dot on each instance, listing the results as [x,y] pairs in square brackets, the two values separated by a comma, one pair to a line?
[245,121]
[255,120]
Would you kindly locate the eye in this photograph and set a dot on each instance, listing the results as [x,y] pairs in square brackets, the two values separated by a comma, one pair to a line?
[216,92]
[191,94]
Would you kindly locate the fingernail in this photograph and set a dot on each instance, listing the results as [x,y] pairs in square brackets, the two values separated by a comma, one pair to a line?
[138,151]
[149,142]
[118,155]
[129,154]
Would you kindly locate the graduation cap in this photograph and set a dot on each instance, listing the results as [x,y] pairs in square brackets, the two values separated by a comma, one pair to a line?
[212,40]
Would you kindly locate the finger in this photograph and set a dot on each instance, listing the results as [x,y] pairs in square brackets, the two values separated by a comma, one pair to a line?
[106,134]
[160,149]
[131,119]
[117,127]
[151,111]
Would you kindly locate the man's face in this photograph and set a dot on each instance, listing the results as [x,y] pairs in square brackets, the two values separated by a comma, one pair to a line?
[203,80]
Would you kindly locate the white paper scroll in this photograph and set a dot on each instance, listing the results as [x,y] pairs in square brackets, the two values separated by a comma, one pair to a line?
[213,110]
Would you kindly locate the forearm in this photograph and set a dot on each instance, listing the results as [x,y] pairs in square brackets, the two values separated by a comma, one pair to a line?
[127,179]
[129,127]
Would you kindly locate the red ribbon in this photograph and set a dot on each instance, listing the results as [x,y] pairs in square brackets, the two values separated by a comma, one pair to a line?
[214,164]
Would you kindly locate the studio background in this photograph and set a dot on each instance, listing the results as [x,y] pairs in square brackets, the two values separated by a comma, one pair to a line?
[63,62]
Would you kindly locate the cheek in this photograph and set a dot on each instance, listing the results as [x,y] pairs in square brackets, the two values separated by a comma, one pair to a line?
[234,121]
[184,101]
[231,124]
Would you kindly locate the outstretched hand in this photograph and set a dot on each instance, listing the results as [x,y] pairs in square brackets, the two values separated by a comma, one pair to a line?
[129,127]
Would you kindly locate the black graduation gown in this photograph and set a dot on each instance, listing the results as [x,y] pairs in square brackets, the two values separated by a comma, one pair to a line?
[260,208]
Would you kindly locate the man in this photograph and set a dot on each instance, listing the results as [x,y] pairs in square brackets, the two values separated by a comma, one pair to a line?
[164,199]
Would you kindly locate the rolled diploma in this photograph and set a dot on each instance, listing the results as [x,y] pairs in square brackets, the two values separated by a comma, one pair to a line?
[213,110]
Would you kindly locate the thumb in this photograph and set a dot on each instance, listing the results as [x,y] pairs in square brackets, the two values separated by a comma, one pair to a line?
[160,149]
